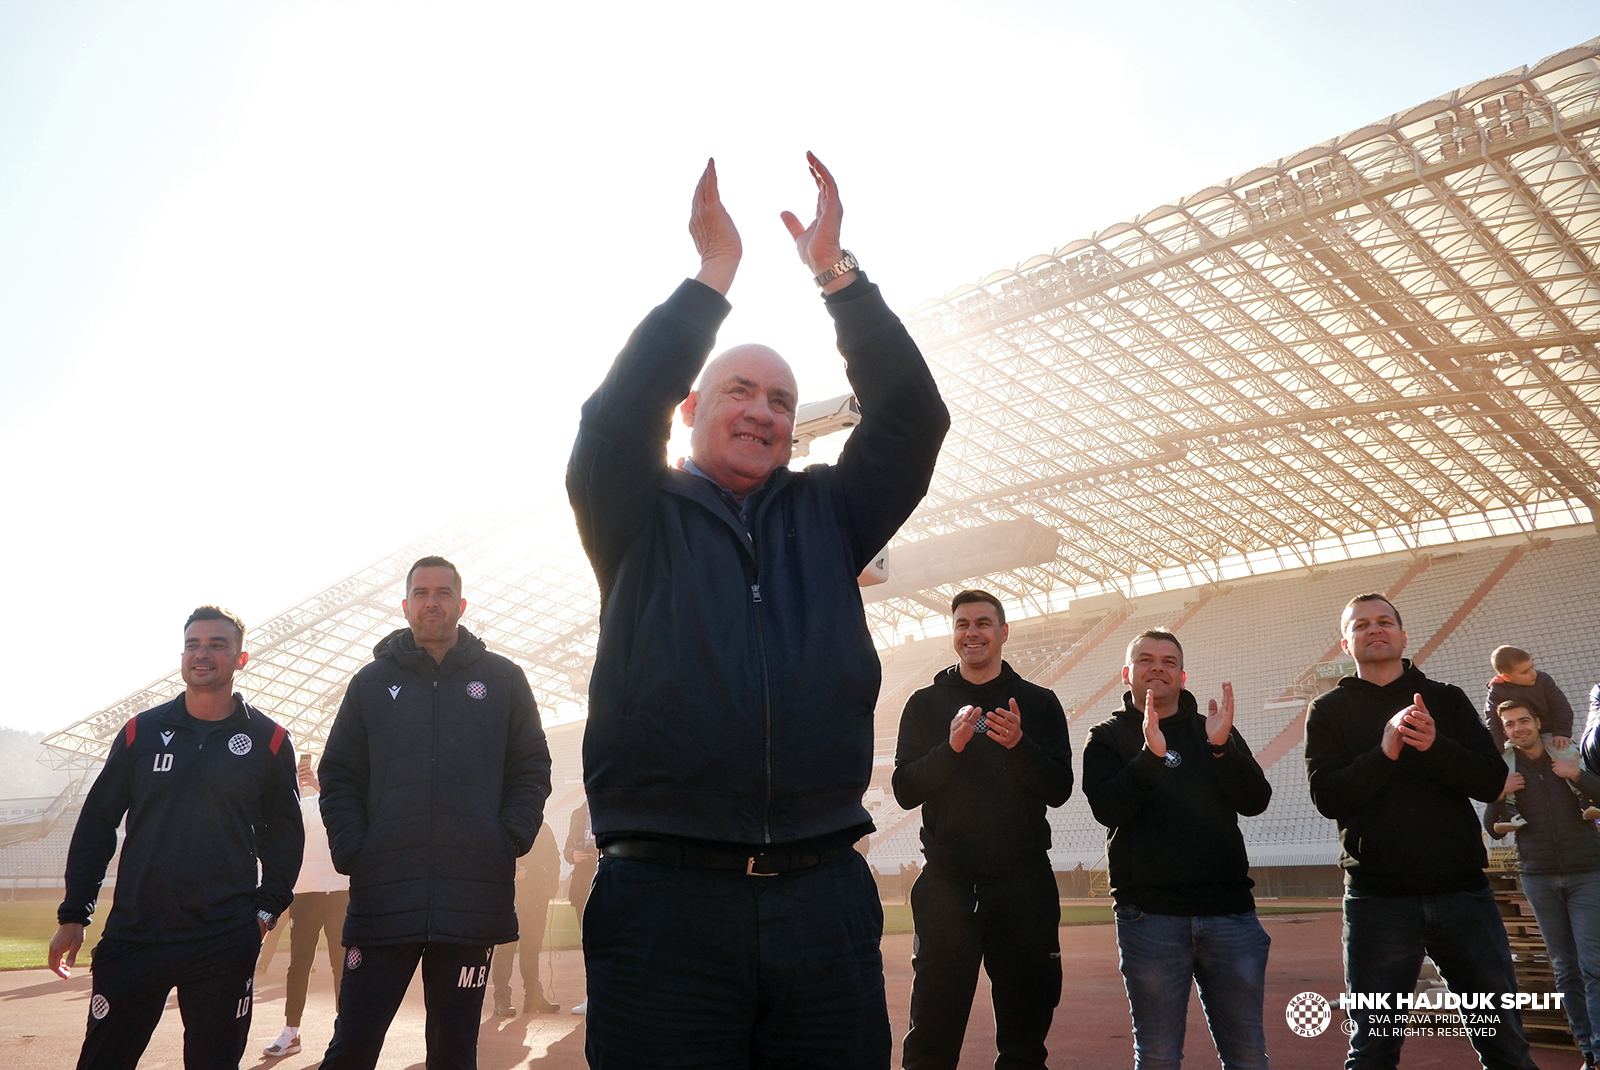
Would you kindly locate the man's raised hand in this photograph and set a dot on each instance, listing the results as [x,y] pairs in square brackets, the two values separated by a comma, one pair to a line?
[962,727]
[715,236]
[1005,726]
[1416,725]
[1219,721]
[1152,727]
[819,245]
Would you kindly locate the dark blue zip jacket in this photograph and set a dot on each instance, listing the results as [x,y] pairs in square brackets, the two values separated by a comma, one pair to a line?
[433,783]
[200,815]
[735,679]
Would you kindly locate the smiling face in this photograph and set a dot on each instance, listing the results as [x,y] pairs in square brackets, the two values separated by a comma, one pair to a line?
[1370,633]
[211,656]
[979,637]
[741,418]
[1155,666]
[1522,728]
[433,605]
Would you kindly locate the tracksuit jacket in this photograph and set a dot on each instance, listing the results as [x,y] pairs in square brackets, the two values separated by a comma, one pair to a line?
[1407,826]
[199,816]
[735,678]
[433,783]
[1172,824]
[983,810]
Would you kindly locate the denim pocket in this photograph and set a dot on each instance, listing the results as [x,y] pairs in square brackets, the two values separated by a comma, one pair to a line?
[1129,915]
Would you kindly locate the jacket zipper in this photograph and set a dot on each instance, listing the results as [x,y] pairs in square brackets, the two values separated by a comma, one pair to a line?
[433,793]
[766,708]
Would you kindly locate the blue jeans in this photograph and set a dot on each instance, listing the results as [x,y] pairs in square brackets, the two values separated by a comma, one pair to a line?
[1385,938]
[1568,911]
[1224,955]
[716,969]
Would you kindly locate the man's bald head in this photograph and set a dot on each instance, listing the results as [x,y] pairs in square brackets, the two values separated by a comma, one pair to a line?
[741,416]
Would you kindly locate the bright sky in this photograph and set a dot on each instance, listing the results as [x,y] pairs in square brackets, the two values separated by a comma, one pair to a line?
[284,286]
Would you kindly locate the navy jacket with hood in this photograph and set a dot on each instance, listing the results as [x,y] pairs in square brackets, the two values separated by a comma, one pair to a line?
[734,684]
[433,783]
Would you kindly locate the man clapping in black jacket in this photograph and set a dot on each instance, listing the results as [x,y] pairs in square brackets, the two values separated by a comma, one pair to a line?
[983,752]
[433,784]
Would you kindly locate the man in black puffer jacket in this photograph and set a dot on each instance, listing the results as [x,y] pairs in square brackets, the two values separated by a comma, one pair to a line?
[983,752]
[433,783]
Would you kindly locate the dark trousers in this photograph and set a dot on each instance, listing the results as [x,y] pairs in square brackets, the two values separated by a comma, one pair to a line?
[310,915]
[1385,938]
[578,889]
[1013,928]
[214,979]
[375,981]
[530,926]
[715,969]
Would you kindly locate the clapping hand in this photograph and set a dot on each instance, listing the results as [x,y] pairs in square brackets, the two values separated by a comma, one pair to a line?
[819,244]
[1219,720]
[715,236]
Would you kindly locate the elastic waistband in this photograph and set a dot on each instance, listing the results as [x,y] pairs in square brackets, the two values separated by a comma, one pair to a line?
[693,856]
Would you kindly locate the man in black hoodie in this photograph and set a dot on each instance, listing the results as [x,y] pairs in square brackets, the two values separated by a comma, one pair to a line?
[983,752]
[1396,759]
[433,784]
[1169,785]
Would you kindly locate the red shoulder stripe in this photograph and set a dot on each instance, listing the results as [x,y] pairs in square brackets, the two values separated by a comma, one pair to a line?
[277,738]
[130,730]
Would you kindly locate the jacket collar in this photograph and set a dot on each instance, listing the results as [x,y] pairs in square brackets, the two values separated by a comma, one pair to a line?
[703,492]
[177,711]
[950,676]
[401,647]
[1408,681]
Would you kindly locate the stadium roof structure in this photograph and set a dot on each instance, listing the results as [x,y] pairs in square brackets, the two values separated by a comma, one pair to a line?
[1387,341]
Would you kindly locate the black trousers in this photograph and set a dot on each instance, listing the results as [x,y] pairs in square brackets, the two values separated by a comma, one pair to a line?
[1011,927]
[214,979]
[531,917]
[375,981]
[310,915]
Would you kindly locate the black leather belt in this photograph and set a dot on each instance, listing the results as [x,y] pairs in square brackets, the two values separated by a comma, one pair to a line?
[693,856]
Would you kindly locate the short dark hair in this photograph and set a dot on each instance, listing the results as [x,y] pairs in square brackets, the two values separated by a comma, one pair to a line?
[1153,633]
[433,561]
[1513,704]
[975,595]
[1506,658]
[217,613]
[1370,596]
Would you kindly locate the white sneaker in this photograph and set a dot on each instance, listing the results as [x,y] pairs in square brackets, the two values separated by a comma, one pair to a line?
[288,1043]
[582,1008]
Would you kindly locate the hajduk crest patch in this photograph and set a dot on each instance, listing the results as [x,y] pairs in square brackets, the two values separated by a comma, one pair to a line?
[240,744]
[476,689]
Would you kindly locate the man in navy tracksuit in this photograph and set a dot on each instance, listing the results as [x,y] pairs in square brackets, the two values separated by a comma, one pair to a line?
[730,711]
[208,786]
[433,784]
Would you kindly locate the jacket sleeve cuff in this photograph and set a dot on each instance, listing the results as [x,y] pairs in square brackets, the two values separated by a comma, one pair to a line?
[1146,767]
[700,304]
[858,312]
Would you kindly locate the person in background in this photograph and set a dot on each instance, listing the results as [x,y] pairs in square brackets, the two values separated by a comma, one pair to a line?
[1558,855]
[580,851]
[1516,680]
[321,896]
[538,877]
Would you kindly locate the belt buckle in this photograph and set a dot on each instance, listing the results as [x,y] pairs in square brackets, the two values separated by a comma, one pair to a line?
[750,869]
